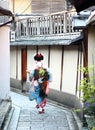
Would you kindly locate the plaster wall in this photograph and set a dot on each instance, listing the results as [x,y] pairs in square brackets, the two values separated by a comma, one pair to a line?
[62,80]
[4,62]
[91,45]
[70,69]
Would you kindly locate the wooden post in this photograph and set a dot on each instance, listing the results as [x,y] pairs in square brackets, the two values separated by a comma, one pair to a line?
[50,25]
[38,26]
[64,23]
[27,27]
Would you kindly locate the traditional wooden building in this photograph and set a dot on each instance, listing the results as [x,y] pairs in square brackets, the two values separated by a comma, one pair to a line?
[38,7]
[84,6]
[88,28]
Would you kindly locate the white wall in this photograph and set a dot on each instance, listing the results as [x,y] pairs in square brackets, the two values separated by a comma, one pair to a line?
[31,51]
[55,66]
[4,62]
[70,69]
[91,45]
[70,59]
[13,63]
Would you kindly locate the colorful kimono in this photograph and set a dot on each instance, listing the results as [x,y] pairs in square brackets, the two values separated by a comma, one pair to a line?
[39,78]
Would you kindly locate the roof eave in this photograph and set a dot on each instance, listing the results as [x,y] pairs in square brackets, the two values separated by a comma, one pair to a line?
[81,5]
[5,12]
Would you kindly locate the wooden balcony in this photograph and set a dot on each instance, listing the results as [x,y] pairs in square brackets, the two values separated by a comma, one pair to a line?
[54,26]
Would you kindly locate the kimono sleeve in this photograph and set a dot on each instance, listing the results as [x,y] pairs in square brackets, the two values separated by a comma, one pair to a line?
[49,75]
[31,75]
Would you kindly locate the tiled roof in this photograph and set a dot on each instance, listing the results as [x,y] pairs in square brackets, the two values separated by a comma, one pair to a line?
[91,18]
[82,4]
[47,42]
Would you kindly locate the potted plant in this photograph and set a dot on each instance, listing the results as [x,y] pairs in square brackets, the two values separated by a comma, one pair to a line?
[87,86]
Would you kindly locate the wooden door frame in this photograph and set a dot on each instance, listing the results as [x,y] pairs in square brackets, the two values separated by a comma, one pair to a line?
[23,64]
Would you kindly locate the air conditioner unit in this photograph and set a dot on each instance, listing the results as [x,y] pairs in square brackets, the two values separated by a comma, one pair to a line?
[12,36]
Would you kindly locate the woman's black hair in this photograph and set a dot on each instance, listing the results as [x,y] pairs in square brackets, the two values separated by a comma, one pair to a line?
[38,57]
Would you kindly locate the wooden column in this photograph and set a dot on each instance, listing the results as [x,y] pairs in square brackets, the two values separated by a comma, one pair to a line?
[27,27]
[32,26]
[38,26]
[57,24]
[64,23]
[50,25]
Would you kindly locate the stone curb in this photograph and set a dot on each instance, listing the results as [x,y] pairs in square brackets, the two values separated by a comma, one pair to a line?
[8,119]
[5,107]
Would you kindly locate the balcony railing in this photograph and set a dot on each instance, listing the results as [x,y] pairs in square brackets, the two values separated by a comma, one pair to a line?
[58,23]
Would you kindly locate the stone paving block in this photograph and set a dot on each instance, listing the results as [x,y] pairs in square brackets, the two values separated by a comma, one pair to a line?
[24,118]
[50,127]
[63,123]
[27,111]
[51,124]
[37,128]
[37,124]
[39,119]
[63,128]
[23,128]
[24,124]
[48,119]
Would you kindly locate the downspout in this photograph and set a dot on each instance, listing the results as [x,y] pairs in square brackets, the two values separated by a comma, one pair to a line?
[85,48]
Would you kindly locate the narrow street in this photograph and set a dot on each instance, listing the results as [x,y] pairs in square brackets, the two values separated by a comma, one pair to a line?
[25,116]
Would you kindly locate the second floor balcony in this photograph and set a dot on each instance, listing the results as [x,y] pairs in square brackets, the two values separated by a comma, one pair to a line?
[52,27]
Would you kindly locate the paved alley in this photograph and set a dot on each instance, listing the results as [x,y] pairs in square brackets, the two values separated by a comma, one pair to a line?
[25,116]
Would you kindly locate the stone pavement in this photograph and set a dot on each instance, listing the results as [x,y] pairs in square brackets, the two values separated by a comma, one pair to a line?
[25,116]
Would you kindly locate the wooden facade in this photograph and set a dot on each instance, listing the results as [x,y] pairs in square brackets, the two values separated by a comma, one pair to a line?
[48,6]
[20,7]
[37,6]
[91,38]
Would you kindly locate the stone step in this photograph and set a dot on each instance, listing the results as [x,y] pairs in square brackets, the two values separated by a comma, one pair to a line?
[8,119]
[5,108]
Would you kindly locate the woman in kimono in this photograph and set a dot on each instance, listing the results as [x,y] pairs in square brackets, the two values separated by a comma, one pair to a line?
[39,78]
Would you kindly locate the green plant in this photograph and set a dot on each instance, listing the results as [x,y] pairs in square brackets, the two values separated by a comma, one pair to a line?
[87,86]
[93,128]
